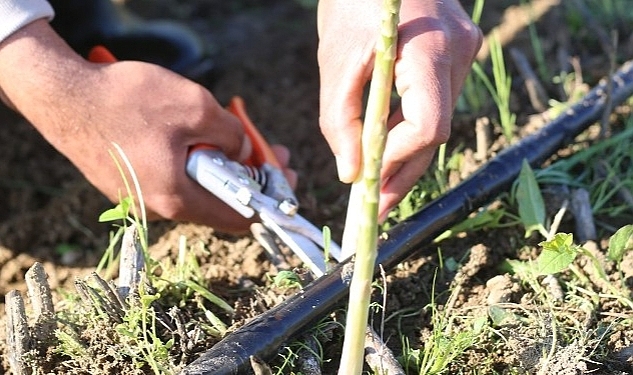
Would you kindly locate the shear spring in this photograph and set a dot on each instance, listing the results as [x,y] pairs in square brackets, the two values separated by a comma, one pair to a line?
[256,175]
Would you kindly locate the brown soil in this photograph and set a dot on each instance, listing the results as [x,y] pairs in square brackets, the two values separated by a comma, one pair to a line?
[267,51]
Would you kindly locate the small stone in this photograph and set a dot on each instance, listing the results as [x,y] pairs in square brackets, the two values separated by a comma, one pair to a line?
[500,289]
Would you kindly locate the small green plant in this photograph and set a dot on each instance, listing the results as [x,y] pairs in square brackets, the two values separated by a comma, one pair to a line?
[147,331]
[530,201]
[447,341]
[472,98]
[619,244]
[139,334]
[503,88]
[429,187]
[287,279]
[537,47]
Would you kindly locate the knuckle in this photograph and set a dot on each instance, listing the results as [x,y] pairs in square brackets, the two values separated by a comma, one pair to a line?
[433,137]
[170,208]
[470,37]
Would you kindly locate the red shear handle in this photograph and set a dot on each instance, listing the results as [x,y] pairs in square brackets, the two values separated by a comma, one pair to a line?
[262,153]
[100,54]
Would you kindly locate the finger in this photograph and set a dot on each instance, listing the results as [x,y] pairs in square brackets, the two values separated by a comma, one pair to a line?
[219,128]
[424,84]
[398,185]
[193,203]
[425,125]
[283,156]
[345,65]
[341,126]
[282,153]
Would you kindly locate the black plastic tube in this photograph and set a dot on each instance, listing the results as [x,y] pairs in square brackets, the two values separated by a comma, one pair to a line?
[263,335]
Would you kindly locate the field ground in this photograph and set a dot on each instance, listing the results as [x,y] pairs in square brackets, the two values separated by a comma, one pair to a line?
[266,52]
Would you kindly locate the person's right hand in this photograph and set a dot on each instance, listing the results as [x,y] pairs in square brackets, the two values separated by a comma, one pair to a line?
[437,43]
[155,116]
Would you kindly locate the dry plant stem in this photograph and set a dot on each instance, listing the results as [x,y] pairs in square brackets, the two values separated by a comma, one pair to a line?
[260,367]
[558,218]
[17,333]
[367,189]
[583,216]
[536,92]
[132,261]
[41,301]
[379,357]
[482,134]
[113,301]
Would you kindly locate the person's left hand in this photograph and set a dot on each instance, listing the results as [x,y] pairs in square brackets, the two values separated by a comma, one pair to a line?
[436,46]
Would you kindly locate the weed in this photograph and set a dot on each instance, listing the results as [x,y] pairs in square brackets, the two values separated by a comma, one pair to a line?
[472,98]
[503,88]
[445,343]
[138,334]
[287,279]
[537,47]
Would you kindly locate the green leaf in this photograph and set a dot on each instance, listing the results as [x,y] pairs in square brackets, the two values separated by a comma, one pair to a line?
[483,219]
[620,243]
[119,212]
[287,279]
[515,266]
[499,315]
[530,200]
[557,254]
[205,293]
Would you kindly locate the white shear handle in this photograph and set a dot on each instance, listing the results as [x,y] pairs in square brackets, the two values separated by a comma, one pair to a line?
[224,178]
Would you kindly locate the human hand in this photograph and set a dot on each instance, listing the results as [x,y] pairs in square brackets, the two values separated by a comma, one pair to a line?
[154,115]
[437,43]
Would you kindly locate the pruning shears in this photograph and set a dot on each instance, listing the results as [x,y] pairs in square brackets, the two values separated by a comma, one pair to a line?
[259,188]
[256,188]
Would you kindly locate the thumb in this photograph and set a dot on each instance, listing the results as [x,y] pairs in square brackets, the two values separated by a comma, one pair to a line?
[224,130]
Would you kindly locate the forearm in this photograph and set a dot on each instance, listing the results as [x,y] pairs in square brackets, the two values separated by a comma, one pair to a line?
[16,14]
[38,74]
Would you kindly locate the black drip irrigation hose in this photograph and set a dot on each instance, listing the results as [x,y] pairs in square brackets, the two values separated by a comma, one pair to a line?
[263,335]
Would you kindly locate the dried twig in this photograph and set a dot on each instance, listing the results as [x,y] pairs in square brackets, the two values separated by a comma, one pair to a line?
[98,299]
[132,262]
[260,367]
[377,354]
[112,299]
[41,301]
[482,134]
[536,92]
[17,333]
[379,357]
[583,215]
[20,337]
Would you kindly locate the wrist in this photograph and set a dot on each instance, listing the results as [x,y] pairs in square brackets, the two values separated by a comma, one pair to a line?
[16,14]
[39,72]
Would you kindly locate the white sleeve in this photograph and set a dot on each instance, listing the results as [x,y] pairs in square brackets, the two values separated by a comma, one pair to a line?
[17,13]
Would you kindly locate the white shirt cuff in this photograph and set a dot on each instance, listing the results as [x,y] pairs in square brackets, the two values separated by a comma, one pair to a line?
[14,14]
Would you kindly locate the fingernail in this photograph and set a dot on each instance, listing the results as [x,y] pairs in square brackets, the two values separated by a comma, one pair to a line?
[344,169]
[246,150]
